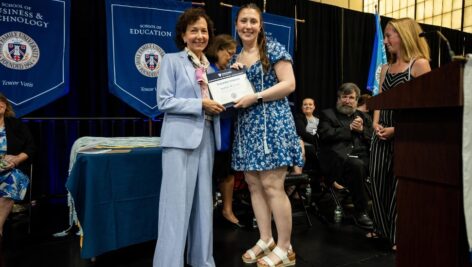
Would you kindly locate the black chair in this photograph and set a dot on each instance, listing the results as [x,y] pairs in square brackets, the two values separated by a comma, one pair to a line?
[300,181]
[25,207]
[322,183]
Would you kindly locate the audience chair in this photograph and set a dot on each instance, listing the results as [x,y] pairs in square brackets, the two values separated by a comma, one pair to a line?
[301,181]
[319,181]
[25,206]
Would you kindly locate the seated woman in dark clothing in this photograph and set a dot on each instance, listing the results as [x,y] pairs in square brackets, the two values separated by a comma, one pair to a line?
[307,126]
[16,147]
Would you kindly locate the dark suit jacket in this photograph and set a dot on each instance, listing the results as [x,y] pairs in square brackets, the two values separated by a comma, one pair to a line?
[337,141]
[19,139]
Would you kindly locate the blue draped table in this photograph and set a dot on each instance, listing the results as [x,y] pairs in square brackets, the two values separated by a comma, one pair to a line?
[116,197]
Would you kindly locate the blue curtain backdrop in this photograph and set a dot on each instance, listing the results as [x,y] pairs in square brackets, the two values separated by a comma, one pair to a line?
[140,33]
[34,58]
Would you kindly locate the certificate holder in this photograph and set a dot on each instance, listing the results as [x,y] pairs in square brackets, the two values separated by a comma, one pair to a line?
[229,85]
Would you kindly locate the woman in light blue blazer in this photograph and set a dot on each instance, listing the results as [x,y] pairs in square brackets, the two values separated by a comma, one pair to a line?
[189,134]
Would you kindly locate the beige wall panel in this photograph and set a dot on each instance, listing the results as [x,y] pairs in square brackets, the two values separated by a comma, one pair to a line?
[420,11]
[468,16]
[403,13]
[411,12]
[428,8]
[339,3]
[403,3]
[447,6]
[446,20]
[437,20]
[356,5]
[456,19]
[437,7]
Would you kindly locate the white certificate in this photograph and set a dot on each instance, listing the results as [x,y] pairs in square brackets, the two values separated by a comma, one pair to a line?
[229,85]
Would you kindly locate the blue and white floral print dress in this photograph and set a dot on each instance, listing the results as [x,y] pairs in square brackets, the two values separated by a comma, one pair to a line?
[265,136]
[13,183]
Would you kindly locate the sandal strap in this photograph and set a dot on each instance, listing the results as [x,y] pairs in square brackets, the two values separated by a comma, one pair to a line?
[265,247]
[269,262]
[283,255]
[251,254]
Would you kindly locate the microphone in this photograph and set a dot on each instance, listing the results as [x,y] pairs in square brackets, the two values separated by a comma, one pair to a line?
[451,52]
[423,34]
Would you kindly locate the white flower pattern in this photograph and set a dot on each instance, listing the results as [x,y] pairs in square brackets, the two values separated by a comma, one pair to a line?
[284,146]
[13,183]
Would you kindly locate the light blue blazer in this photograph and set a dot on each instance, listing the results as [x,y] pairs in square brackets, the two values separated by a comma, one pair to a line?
[179,97]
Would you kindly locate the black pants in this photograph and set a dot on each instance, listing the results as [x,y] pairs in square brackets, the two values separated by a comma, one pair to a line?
[354,174]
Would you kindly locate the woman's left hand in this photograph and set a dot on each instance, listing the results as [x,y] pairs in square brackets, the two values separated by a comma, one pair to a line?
[246,101]
[386,133]
[12,161]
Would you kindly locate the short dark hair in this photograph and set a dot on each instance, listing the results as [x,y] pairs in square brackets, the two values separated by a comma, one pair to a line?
[190,16]
[348,88]
[220,42]
[363,99]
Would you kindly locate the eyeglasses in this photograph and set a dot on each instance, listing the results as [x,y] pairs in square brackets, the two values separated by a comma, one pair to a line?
[231,52]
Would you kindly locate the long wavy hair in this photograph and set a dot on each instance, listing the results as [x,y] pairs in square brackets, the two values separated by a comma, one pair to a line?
[9,109]
[261,37]
[412,45]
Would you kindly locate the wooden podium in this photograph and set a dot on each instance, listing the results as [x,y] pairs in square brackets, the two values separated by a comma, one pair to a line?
[428,165]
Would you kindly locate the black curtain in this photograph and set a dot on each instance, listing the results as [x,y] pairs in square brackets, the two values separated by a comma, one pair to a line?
[358,39]
[318,69]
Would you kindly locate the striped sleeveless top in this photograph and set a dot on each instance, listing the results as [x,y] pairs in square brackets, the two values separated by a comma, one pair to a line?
[391,80]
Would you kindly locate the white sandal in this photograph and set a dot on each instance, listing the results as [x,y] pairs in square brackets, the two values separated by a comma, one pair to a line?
[287,258]
[266,248]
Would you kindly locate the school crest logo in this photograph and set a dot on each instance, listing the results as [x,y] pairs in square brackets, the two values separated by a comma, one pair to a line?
[18,51]
[148,59]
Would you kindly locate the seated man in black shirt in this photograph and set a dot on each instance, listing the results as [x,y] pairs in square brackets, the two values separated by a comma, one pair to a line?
[345,135]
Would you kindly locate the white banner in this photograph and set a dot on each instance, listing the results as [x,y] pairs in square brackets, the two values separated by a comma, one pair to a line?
[467,148]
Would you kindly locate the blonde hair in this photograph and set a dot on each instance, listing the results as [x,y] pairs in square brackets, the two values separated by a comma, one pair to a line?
[9,109]
[412,45]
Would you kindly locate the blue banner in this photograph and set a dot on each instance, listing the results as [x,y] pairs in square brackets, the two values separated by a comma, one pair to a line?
[34,58]
[140,33]
[278,28]
[379,58]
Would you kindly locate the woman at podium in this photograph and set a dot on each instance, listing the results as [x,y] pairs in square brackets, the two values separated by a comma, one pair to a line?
[408,58]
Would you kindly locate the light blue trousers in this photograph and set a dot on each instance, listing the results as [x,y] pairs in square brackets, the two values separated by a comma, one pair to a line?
[186,205]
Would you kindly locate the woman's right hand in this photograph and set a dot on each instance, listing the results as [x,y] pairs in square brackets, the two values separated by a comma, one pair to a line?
[246,101]
[377,129]
[212,107]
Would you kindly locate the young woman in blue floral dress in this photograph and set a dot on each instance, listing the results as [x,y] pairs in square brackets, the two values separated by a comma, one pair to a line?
[266,142]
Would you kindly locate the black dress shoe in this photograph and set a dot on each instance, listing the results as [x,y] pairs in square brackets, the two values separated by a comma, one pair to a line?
[233,224]
[363,220]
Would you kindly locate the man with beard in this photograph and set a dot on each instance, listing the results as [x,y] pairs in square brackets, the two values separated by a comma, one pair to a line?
[345,135]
